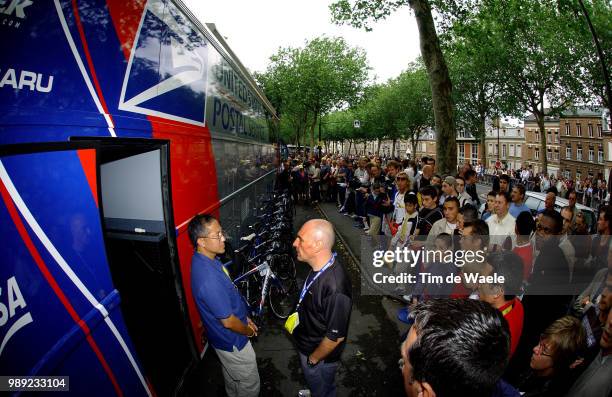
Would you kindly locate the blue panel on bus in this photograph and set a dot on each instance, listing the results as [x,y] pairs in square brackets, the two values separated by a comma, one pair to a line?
[63,205]
[55,280]
[41,82]
[37,68]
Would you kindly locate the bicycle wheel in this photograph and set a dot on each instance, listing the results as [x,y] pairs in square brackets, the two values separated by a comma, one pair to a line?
[283,266]
[283,298]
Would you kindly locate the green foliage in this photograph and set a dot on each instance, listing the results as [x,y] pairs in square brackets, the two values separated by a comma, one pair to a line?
[514,56]
[401,108]
[305,83]
[591,74]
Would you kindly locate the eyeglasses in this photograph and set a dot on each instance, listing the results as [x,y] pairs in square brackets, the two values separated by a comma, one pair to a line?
[542,348]
[217,236]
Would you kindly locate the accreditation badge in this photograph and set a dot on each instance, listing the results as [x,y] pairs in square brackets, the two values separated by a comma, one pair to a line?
[292,321]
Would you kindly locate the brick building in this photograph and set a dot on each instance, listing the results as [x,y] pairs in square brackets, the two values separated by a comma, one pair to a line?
[468,148]
[532,155]
[582,143]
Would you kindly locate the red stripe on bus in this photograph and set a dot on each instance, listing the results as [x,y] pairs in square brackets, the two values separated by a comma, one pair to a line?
[10,206]
[87,157]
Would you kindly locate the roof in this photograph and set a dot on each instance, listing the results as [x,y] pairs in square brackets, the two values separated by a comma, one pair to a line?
[582,112]
[573,112]
[531,118]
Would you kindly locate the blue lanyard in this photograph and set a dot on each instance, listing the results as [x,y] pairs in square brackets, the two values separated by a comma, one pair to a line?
[307,286]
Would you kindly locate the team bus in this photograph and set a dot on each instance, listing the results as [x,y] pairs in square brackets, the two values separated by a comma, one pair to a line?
[119,121]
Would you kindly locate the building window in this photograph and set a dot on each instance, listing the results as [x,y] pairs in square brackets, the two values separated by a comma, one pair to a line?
[556,136]
[474,153]
[511,150]
[578,175]
[600,155]
[536,154]
[590,127]
[579,154]
[549,137]
[549,154]
[568,152]
[504,151]
[461,151]
[537,136]
[496,149]
[556,154]
[591,153]
[567,129]
[520,133]
[578,130]
[518,151]
[599,130]
[490,148]
[566,174]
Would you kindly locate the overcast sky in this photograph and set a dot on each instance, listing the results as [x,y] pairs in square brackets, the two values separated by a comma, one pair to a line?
[256,29]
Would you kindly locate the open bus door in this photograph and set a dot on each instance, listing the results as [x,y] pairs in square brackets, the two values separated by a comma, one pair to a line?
[88,283]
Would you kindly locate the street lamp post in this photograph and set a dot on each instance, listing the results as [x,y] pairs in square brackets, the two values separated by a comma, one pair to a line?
[498,163]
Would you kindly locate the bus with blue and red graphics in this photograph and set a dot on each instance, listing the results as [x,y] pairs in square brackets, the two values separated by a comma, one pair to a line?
[119,121]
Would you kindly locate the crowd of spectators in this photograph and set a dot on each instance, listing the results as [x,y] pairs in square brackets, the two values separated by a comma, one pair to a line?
[591,191]
[552,312]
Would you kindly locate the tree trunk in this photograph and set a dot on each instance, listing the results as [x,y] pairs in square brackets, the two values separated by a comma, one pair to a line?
[312,133]
[543,152]
[349,148]
[483,136]
[441,88]
[393,148]
[378,147]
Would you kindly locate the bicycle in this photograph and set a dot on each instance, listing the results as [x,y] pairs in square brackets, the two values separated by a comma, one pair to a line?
[265,264]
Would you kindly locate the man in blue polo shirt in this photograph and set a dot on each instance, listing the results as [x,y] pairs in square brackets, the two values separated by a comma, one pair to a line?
[518,200]
[222,309]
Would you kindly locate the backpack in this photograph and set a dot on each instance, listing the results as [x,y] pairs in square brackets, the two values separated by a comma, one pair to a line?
[427,222]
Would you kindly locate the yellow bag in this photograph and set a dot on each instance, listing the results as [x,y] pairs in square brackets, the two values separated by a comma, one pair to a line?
[292,321]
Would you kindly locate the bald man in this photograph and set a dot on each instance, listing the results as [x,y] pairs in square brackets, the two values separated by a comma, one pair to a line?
[324,309]
[423,179]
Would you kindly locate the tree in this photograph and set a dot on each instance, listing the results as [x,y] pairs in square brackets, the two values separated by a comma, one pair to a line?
[360,13]
[539,56]
[594,34]
[309,82]
[414,98]
[476,63]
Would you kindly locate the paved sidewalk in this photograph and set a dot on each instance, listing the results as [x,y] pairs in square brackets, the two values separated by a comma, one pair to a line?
[369,363]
